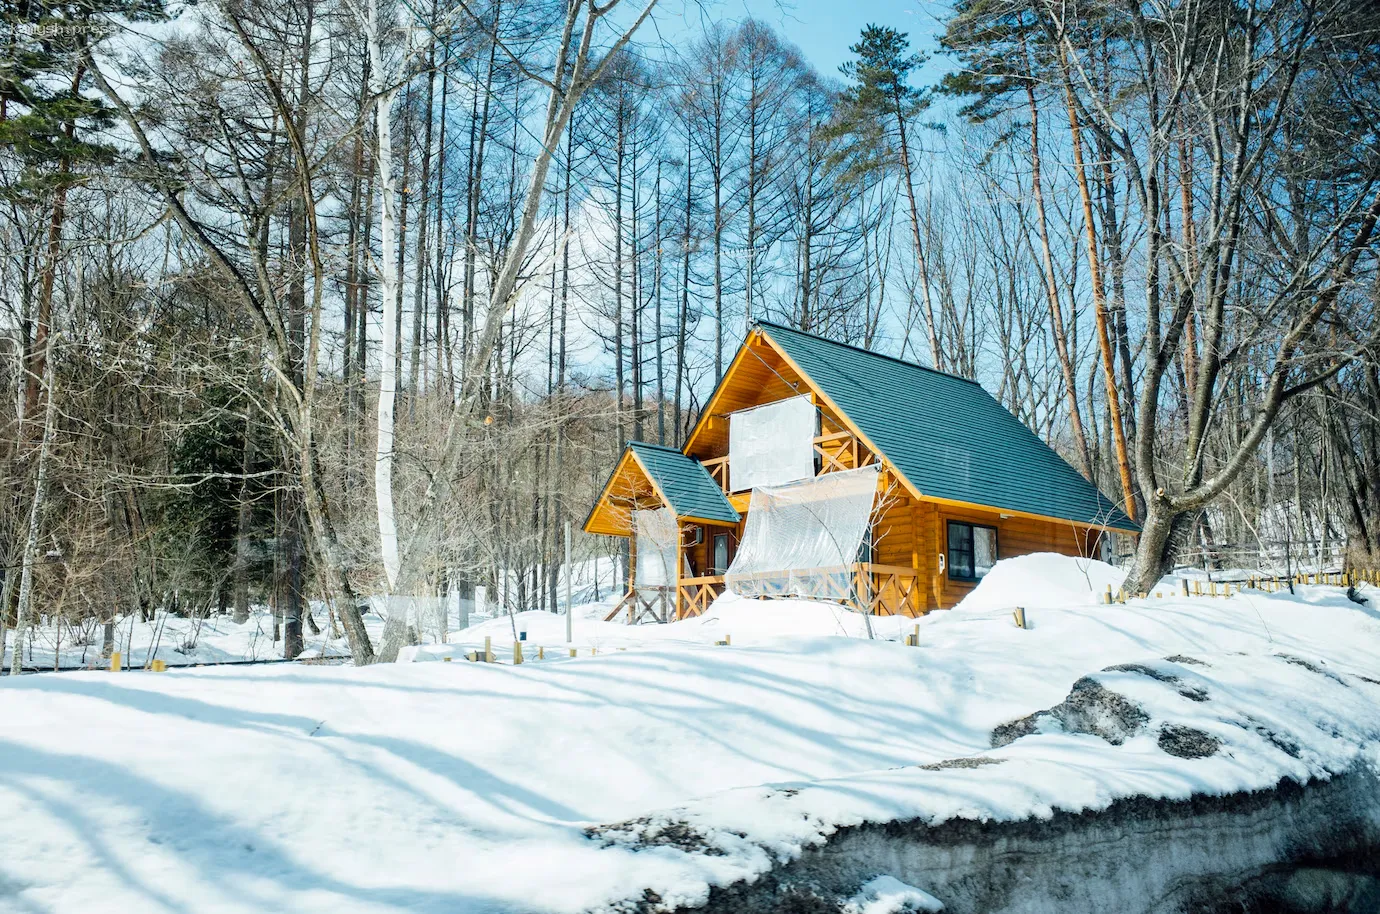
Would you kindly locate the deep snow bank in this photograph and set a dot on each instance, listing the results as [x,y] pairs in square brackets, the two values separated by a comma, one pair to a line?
[651,775]
[1295,848]
[1147,786]
[1040,580]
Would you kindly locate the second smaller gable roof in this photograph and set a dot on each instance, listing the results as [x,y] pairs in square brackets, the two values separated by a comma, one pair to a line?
[685,483]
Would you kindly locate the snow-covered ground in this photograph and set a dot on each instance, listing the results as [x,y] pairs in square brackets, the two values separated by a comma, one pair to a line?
[182,640]
[666,766]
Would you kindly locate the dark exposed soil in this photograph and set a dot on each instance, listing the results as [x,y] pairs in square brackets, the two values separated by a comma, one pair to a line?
[1323,858]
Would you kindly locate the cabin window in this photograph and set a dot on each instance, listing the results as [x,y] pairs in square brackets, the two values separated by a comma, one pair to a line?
[865,547]
[972,550]
[720,553]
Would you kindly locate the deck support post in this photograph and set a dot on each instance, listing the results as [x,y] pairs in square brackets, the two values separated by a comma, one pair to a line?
[916,591]
[632,577]
[673,609]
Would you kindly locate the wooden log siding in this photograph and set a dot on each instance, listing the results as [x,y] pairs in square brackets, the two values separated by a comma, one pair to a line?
[911,526]
[1016,535]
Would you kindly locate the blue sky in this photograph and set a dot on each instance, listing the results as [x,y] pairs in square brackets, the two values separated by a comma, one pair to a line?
[822,29]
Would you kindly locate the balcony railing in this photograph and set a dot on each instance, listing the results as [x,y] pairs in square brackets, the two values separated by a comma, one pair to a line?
[834,451]
[867,586]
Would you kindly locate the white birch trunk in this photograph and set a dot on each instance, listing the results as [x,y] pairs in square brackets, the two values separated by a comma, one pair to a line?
[388,272]
[26,574]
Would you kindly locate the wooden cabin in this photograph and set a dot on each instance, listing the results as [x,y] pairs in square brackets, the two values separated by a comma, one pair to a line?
[960,478]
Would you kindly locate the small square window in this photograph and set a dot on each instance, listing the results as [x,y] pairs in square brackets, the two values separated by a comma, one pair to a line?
[972,550]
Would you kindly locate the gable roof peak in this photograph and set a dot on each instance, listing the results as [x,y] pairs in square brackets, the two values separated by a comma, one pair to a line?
[772,325]
[949,441]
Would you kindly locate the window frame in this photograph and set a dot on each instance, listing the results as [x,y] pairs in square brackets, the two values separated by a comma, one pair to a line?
[949,524]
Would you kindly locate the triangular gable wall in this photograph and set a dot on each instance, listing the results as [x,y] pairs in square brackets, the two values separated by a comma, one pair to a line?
[762,373]
[628,488]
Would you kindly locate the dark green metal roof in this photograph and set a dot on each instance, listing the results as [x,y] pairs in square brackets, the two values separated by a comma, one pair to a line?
[946,434]
[685,483]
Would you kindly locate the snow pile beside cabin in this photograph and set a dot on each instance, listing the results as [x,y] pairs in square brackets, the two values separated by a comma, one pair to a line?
[650,774]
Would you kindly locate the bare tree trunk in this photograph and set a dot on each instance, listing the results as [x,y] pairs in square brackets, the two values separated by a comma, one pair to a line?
[1104,339]
[683,318]
[388,361]
[1056,309]
[416,365]
[26,562]
[242,526]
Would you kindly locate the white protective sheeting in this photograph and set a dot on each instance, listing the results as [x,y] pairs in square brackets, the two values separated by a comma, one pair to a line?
[657,538]
[802,539]
[771,444]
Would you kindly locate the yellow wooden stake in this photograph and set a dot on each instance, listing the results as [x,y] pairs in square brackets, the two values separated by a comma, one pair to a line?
[517,652]
[446,659]
[572,652]
[541,653]
[1108,599]
[1019,615]
[115,662]
[488,650]
[1183,582]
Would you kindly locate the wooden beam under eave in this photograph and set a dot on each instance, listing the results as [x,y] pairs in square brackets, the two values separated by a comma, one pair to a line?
[992,509]
[711,405]
[628,487]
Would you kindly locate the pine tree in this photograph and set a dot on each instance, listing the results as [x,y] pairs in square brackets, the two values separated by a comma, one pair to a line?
[881,100]
[46,112]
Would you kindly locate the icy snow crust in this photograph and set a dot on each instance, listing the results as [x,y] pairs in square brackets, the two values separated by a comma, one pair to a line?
[650,774]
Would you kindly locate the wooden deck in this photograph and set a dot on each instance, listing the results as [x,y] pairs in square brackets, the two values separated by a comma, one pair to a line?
[883,590]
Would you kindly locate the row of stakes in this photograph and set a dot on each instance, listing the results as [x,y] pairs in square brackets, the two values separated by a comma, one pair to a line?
[117,664]
[484,656]
[1197,589]
[519,654]
[1272,584]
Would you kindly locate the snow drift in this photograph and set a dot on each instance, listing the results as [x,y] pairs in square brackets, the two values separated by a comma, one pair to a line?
[655,776]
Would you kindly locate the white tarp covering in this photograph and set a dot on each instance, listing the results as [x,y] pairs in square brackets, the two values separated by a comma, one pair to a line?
[771,444]
[802,539]
[657,536]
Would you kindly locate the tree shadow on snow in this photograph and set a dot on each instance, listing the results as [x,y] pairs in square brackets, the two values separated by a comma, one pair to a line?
[195,836]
